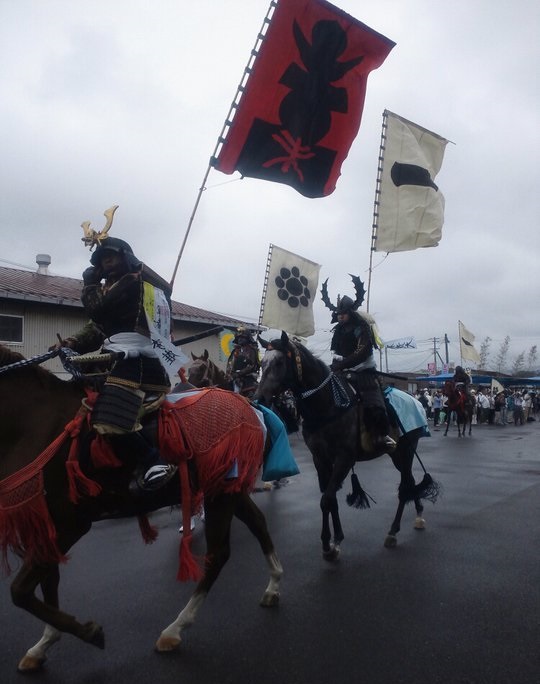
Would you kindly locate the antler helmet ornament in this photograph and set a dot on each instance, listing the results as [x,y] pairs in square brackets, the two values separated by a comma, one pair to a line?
[91,237]
[344,303]
[103,241]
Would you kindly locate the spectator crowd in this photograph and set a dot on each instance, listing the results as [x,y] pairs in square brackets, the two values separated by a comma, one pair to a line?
[509,406]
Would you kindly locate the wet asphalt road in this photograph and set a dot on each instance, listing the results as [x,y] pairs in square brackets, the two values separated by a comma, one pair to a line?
[458,603]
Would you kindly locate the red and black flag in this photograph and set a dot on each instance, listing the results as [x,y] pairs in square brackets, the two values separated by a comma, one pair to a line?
[302,104]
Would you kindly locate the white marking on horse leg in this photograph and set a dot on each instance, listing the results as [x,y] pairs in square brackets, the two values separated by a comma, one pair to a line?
[271,593]
[171,636]
[419,523]
[36,656]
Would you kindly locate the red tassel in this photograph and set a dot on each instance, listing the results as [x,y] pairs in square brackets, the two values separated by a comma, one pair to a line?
[27,528]
[102,454]
[79,484]
[149,532]
[189,566]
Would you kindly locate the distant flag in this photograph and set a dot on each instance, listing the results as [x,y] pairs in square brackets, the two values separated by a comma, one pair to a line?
[290,285]
[409,206]
[401,343]
[302,103]
[466,345]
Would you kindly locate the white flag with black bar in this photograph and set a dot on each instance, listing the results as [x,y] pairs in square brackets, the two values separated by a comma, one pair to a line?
[466,345]
[409,205]
[290,288]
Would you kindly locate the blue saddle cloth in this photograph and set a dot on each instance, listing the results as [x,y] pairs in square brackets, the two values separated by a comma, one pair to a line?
[410,412]
[279,462]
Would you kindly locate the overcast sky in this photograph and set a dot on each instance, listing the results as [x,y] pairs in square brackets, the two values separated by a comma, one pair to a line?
[122,101]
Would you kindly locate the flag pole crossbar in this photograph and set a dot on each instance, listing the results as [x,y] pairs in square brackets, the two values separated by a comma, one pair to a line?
[376,204]
[265,285]
[248,70]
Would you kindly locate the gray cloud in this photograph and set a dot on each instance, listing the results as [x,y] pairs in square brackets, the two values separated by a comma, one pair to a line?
[122,103]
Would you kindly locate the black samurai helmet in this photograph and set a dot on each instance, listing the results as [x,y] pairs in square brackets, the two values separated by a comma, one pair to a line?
[345,303]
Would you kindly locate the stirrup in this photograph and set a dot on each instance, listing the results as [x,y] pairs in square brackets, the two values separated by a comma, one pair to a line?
[156,477]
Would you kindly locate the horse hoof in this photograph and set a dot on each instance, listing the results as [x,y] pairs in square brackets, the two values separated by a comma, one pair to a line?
[419,524]
[94,634]
[30,663]
[166,644]
[269,599]
[391,541]
[332,554]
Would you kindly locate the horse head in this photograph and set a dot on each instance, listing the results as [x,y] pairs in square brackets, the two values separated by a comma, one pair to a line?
[288,365]
[199,373]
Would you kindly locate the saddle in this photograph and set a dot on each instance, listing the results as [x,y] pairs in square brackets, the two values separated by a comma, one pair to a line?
[364,391]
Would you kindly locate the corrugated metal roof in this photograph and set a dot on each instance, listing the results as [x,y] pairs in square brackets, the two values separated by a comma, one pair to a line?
[37,287]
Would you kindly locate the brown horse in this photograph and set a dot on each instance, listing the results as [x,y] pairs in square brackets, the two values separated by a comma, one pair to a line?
[41,518]
[331,426]
[463,404]
[203,372]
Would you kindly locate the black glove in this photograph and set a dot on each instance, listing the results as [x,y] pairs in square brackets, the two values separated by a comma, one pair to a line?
[91,276]
[336,365]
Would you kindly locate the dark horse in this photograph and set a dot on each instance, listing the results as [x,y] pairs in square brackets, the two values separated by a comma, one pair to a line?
[203,372]
[40,519]
[333,435]
[462,403]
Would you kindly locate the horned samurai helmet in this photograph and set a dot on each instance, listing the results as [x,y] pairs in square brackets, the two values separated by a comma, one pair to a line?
[345,303]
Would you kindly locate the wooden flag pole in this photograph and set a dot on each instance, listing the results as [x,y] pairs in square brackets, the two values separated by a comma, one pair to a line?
[227,124]
[376,204]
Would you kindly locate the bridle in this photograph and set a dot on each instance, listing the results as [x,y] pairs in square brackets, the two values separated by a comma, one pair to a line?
[339,392]
[206,375]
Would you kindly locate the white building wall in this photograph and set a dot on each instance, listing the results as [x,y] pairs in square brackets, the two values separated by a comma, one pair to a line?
[42,322]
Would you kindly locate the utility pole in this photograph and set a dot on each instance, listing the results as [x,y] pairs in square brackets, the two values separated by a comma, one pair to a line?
[446,343]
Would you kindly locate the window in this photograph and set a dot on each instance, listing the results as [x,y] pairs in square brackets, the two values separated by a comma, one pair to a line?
[11,328]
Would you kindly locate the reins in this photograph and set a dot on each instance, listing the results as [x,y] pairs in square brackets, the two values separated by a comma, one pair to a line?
[70,361]
[339,392]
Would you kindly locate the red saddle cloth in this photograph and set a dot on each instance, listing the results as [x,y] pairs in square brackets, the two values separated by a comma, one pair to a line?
[221,431]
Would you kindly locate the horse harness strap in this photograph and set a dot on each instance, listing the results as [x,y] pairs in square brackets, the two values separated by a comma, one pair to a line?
[341,398]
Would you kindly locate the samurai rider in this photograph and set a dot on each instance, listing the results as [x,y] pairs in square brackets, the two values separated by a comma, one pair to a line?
[117,287]
[462,381]
[353,342]
[243,363]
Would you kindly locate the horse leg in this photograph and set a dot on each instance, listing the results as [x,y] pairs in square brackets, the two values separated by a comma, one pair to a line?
[218,514]
[391,538]
[23,596]
[402,459]
[329,507]
[251,515]
[36,655]
[419,521]
[448,417]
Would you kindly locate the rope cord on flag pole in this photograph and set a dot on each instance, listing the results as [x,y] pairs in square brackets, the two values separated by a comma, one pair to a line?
[376,203]
[226,126]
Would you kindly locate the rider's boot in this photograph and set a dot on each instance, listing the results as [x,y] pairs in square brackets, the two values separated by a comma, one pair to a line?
[151,473]
[384,442]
